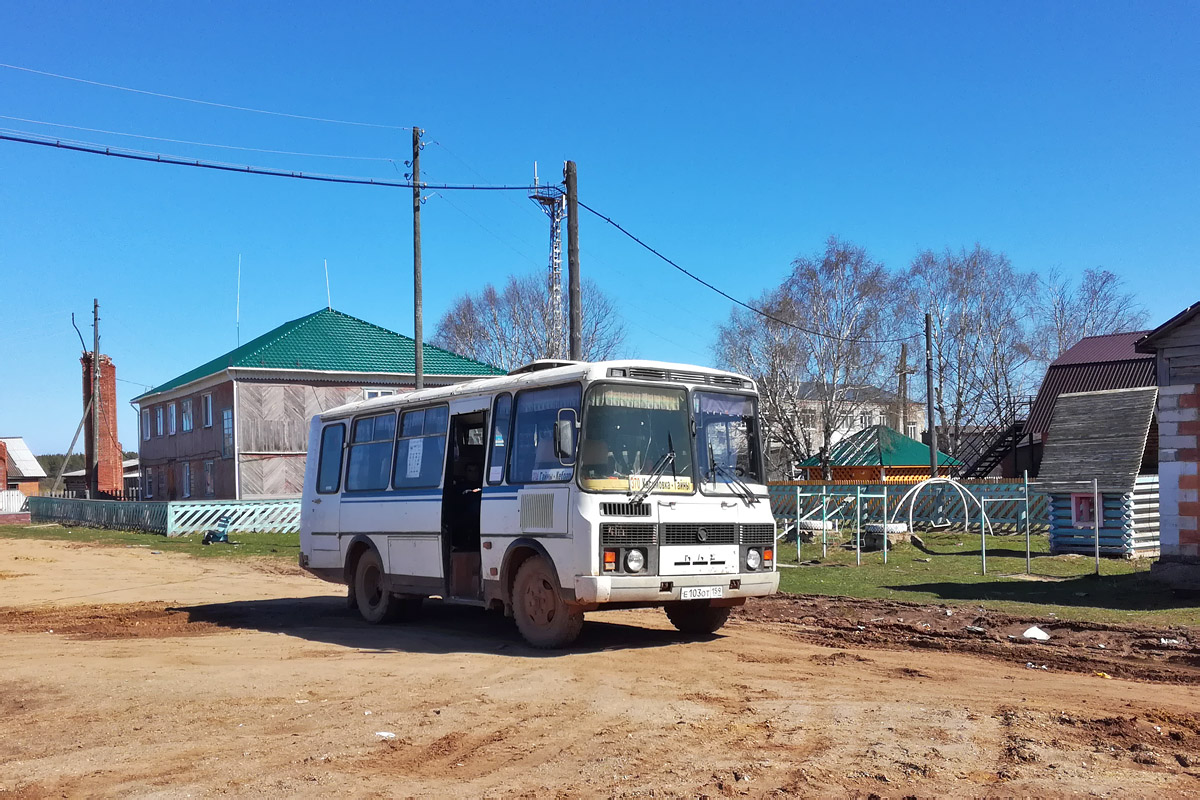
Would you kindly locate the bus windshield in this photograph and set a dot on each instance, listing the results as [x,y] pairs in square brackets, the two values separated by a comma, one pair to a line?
[726,439]
[628,431]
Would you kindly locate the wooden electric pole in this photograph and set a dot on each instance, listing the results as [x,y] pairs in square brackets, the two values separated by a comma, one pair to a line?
[575,309]
[902,371]
[94,461]
[933,437]
[418,315]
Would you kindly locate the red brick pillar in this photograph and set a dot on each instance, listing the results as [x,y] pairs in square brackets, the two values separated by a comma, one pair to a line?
[3,466]
[110,474]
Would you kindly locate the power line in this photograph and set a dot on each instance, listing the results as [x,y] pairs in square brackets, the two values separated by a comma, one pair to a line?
[205,102]
[187,141]
[741,303]
[158,158]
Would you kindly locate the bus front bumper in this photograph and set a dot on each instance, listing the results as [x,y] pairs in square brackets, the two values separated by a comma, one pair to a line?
[637,589]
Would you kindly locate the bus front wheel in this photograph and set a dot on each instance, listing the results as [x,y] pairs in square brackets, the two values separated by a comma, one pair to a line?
[697,616]
[370,592]
[543,617]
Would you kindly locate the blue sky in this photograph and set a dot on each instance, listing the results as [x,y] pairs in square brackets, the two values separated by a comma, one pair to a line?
[731,136]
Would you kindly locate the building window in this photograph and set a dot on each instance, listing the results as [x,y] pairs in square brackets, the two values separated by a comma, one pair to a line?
[158,421]
[187,479]
[226,432]
[1083,511]
[371,394]
[171,419]
[209,487]
[370,459]
[145,424]
[185,406]
[421,448]
[206,410]
[910,430]
[149,476]
[865,420]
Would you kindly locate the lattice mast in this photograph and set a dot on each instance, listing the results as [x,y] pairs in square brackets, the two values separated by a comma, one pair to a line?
[553,201]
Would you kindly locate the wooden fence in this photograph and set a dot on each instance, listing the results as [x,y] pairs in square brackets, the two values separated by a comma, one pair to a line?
[173,518]
[12,501]
[934,505]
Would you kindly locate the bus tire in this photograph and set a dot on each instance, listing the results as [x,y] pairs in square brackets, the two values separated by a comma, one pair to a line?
[697,616]
[375,603]
[543,617]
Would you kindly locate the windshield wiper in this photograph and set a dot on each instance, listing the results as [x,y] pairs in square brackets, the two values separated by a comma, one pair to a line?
[668,458]
[738,486]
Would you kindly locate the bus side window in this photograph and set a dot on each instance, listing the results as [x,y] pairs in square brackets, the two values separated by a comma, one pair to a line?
[501,418]
[371,453]
[329,462]
[421,448]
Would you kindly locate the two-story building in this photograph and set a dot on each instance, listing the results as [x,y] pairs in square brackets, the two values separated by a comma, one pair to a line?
[236,427]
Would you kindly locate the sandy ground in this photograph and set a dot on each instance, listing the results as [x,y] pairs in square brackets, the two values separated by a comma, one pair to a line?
[127,673]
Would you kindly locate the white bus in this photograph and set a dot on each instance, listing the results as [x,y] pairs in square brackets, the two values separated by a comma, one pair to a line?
[562,488]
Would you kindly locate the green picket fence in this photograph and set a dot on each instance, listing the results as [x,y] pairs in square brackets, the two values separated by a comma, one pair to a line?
[173,518]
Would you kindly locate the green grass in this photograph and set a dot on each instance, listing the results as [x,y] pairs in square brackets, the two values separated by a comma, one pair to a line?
[1122,593]
[268,545]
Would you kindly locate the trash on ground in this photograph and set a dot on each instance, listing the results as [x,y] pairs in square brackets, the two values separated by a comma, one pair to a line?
[385,734]
[975,629]
[1104,675]
[1031,665]
[156,552]
[1036,633]
[1168,641]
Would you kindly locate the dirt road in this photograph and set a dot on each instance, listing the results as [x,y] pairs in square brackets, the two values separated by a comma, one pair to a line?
[127,673]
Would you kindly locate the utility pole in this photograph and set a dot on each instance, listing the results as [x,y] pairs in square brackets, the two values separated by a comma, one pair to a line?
[418,320]
[903,372]
[94,465]
[933,437]
[576,310]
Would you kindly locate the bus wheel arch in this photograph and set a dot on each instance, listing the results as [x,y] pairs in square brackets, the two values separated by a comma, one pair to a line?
[520,551]
[543,616]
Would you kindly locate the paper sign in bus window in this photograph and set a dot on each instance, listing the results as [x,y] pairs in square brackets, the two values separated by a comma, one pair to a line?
[415,451]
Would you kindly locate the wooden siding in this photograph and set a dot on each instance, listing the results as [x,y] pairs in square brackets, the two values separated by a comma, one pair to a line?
[166,454]
[1129,528]
[1097,435]
[272,431]
[1179,355]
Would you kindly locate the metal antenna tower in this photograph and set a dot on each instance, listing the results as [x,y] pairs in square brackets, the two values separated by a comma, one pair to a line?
[554,202]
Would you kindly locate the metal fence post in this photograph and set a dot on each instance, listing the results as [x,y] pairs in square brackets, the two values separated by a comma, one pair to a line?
[1028,562]
[1097,513]
[858,524]
[885,524]
[824,521]
[796,529]
[983,532]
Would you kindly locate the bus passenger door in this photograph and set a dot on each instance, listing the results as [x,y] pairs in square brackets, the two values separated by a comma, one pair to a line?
[461,497]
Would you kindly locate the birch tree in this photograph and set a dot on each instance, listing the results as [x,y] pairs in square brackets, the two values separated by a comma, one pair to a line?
[511,326]
[1097,305]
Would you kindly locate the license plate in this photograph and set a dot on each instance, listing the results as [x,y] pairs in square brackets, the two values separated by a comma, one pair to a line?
[701,592]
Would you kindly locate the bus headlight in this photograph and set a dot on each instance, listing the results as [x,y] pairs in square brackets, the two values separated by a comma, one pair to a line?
[753,559]
[634,561]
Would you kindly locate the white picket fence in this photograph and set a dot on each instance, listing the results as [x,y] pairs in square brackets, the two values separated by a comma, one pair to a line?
[12,501]
[173,518]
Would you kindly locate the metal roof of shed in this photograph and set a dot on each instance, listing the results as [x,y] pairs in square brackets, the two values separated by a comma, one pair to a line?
[880,446]
[22,462]
[330,341]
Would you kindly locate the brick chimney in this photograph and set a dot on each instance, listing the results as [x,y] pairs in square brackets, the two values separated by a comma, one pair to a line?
[3,466]
[110,477]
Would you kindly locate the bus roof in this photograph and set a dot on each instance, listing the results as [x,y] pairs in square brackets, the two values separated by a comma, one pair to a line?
[660,372]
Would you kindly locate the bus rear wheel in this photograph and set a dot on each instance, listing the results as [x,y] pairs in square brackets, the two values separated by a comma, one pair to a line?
[543,617]
[697,616]
[370,592]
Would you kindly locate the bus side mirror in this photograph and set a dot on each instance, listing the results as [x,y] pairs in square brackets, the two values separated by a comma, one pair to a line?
[564,436]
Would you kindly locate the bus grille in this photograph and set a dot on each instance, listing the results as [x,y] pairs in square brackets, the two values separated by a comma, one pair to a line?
[681,376]
[625,509]
[758,534]
[691,533]
[627,535]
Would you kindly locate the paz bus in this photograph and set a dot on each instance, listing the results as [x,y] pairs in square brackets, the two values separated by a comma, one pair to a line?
[561,488]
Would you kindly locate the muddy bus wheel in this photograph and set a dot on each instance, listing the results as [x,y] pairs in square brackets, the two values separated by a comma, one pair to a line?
[375,602]
[543,617]
[697,616]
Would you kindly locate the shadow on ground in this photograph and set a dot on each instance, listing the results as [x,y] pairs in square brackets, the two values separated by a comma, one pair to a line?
[1129,592]
[441,628]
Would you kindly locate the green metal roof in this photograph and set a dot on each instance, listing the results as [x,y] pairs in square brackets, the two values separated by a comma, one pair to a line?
[880,446]
[330,341]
